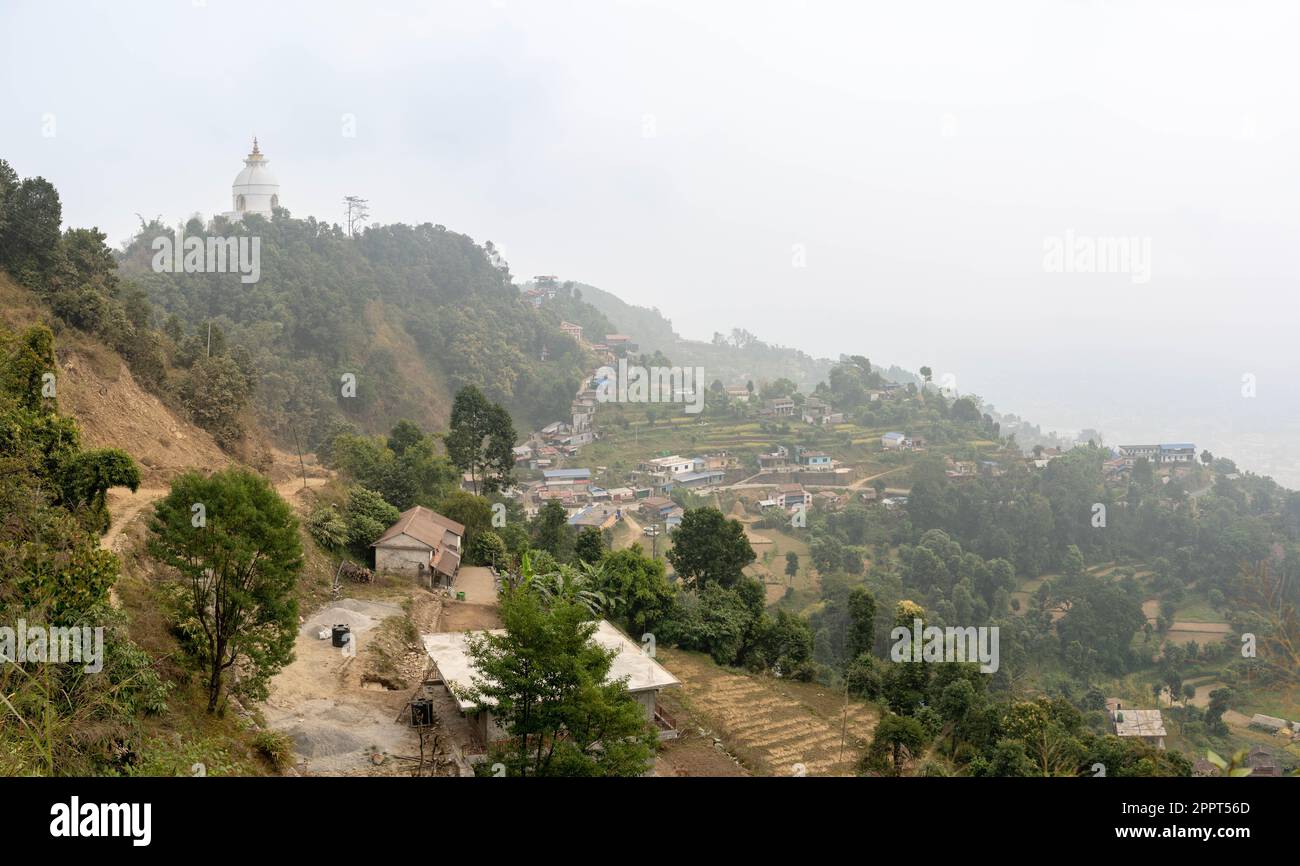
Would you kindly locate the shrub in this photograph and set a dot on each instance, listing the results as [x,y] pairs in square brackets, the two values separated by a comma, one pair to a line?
[328,527]
[276,747]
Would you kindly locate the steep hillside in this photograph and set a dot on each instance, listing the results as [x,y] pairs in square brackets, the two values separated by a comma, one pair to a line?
[410,313]
[96,388]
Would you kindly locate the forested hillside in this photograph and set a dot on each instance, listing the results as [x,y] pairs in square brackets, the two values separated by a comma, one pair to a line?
[413,312]
[733,358]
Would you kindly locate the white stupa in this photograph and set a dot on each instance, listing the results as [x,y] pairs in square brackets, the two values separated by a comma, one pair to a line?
[255,189]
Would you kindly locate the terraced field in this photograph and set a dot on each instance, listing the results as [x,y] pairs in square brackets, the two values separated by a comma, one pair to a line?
[775,727]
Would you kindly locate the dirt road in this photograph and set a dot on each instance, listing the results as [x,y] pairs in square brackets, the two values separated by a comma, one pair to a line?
[124,506]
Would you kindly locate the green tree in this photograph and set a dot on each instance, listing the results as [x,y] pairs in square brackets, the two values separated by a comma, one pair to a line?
[551,531]
[403,435]
[546,683]
[481,440]
[862,622]
[710,548]
[1074,565]
[589,546]
[487,549]
[30,219]
[328,527]
[896,740]
[367,515]
[472,512]
[791,564]
[216,392]
[88,476]
[783,644]
[635,584]
[233,543]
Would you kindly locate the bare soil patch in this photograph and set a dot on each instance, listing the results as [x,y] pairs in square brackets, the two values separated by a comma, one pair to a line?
[340,707]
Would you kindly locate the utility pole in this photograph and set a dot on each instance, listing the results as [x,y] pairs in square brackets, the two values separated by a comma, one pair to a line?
[358,211]
[301,464]
[209,339]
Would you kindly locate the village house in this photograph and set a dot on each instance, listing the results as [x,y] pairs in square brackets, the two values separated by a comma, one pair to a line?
[816,411]
[781,407]
[574,331]
[960,468]
[619,342]
[544,288]
[596,516]
[1112,470]
[1147,725]
[575,477]
[423,544]
[738,393]
[1178,452]
[1272,724]
[656,507]
[666,467]
[1262,762]
[829,500]
[544,457]
[893,440]
[644,677]
[792,496]
[813,461]
[566,496]
[673,517]
[775,461]
[721,460]
[659,473]
[698,478]
[621,494]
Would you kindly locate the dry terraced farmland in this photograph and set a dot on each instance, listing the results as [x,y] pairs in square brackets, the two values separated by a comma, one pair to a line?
[775,727]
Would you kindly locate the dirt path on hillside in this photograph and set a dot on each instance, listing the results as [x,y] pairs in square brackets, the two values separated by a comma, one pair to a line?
[856,485]
[124,506]
[637,530]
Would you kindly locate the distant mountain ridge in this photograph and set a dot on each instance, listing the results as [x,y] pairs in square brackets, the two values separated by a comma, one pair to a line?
[734,358]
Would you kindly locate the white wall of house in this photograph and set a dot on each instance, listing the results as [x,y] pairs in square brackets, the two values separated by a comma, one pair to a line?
[401,560]
[647,701]
[489,731]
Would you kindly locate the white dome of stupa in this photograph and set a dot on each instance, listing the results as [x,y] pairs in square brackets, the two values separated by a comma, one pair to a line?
[255,189]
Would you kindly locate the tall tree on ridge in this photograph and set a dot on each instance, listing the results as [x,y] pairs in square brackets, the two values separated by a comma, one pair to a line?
[481,440]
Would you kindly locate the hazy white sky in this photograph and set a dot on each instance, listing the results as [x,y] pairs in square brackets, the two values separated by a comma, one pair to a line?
[913,157]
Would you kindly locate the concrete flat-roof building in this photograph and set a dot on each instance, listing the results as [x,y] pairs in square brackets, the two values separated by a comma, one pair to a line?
[567,475]
[1148,725]
[449,652]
